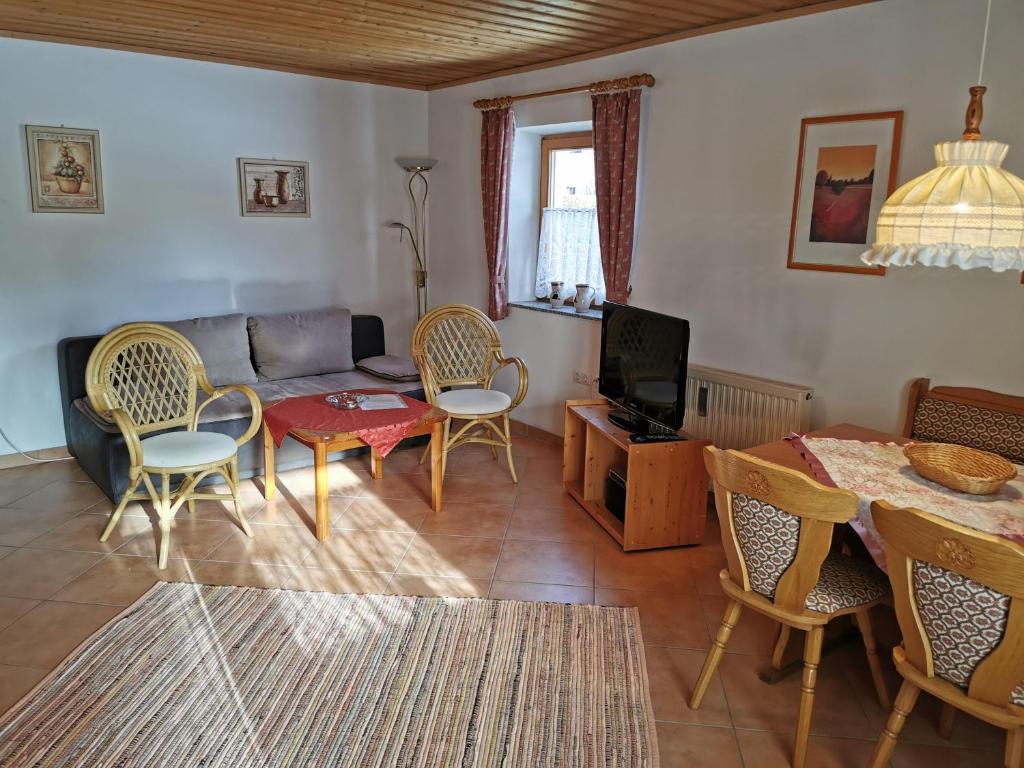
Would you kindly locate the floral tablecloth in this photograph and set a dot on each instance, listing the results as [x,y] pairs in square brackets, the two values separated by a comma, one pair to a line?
[880,471]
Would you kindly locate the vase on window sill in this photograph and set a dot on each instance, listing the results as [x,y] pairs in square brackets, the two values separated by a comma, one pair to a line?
[557,299]
[584,295]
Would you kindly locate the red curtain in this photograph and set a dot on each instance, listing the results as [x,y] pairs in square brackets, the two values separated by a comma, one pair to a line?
[616,144]
[499,127]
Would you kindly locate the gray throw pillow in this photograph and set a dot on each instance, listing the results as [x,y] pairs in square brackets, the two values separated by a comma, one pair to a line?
[301,343]
[223,345]
[390,367]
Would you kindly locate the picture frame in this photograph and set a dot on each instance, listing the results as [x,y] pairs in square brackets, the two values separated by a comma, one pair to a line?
[273,188]
[846,168]
[65,170]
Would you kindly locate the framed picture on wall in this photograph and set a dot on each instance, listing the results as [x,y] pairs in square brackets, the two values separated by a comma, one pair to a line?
[64,169]
[273,187]
[846,168]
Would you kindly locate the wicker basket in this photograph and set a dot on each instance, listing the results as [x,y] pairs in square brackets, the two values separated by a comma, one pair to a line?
[959,468]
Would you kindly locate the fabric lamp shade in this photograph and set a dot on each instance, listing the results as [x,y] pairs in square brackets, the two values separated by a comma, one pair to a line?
[967,212]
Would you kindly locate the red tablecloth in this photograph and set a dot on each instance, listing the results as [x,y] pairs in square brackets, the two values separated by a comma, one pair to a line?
[381,430]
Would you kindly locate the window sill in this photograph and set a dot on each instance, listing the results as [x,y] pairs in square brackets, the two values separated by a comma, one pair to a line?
[568,310]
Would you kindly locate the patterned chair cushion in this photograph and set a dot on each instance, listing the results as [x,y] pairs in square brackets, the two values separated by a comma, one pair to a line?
[768,538]
[945,421]
[964,620]
[846,582]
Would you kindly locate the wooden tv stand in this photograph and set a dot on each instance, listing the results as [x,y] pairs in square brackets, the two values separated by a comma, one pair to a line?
[666,483]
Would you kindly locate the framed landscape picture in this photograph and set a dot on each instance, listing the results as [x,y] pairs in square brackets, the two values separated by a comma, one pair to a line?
[273,187]
[846,168]
[64,169]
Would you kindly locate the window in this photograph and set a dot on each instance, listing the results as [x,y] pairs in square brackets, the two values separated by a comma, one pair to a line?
[568,249]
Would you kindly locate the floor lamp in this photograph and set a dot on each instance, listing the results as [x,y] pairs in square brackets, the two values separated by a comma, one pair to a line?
[417,168]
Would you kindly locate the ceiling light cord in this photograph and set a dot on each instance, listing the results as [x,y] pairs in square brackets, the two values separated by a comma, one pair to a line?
[25,455]
[984,43]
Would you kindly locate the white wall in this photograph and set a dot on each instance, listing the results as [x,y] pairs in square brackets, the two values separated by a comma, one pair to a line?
[172,243]
[721,136]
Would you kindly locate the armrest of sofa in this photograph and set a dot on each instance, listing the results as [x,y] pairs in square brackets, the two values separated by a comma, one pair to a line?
[72,357]
[367,337]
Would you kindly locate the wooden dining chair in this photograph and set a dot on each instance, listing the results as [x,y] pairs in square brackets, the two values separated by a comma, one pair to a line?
[457,350]
[959,597]
[145,377]
[776,532]
[977,418]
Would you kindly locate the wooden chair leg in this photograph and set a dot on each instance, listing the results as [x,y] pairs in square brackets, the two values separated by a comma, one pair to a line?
[165,520]
[780,646]
[237,498]
[444,446]
[905,701]
[947,716]
[871,647]
[732,615]
[1014,748]
[112,523]
[812,658]
[508,448]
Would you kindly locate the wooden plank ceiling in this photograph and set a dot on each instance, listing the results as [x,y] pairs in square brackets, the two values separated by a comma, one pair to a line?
[411,43]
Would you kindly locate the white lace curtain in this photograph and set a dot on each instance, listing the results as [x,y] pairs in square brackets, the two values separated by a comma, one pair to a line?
[569,250]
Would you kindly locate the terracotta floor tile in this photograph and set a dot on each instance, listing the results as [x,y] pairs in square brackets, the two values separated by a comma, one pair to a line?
[343,479]
[673,673]
[369,514]
[50,631]
[665,569]
[396,486]
[541,593]
[547,562]
[758,706]
[438,586]
[551,523]
[469,489]
[191,538]
[250,495]
[82,534]
[13,607]
[12,489]
[928,756]
[38,573]
[484,520]
[534,496]
[299,511]
[15,682]
[769,750]
[120,580]
[452,556]
[359,551]
[667,618]
[754,633]
[271,544]
[61,496]
[238,574]
[4,551]
[19,526]
[323,580]
[706,580]
[693,746]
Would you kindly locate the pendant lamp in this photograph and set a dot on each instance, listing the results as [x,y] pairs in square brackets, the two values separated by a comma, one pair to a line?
[967,212]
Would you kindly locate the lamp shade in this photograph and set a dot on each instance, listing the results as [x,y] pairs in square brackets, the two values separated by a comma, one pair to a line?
[967,212]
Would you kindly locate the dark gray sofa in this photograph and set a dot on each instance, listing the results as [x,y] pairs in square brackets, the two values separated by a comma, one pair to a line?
[98,446]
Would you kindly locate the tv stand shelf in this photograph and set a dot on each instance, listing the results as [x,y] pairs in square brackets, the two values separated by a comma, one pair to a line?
[666,483]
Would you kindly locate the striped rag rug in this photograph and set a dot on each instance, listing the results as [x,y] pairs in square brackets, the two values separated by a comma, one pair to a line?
[194,675]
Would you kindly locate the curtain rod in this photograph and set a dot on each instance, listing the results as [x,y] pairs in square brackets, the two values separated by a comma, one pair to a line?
[601,86]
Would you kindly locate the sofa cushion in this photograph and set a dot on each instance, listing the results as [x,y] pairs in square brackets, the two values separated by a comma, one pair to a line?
[301,343]
[223,345]
[390,367]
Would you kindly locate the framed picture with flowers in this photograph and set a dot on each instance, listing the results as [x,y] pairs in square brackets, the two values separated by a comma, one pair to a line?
[64,169]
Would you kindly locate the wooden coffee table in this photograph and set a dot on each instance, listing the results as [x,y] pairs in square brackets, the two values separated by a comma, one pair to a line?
[323,443]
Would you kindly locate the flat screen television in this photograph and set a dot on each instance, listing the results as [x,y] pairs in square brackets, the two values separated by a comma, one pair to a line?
[643,368]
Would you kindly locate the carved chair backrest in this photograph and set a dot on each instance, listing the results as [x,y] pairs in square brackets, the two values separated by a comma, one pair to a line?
[776,524]
[959,600]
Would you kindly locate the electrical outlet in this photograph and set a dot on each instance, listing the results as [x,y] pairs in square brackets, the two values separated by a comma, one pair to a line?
[582,378]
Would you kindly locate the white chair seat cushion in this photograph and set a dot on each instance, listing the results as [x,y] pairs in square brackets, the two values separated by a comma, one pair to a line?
[186,449]
[473,402]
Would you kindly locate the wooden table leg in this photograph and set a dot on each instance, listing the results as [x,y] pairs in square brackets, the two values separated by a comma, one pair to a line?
[436,477]
[323,518]
[376,464]
[269,472]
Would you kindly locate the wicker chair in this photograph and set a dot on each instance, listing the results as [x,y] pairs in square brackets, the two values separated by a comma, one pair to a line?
[458,346]
[776,532]
[145,378]
[960,605]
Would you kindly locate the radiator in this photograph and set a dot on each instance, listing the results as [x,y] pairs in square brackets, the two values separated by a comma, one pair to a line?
[734,410]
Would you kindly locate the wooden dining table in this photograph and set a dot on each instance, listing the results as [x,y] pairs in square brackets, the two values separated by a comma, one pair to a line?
[782,451]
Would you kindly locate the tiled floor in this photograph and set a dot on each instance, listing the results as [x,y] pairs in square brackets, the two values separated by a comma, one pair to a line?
[58,584]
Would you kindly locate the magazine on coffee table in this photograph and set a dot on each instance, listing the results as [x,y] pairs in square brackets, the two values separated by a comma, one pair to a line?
[381,402]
